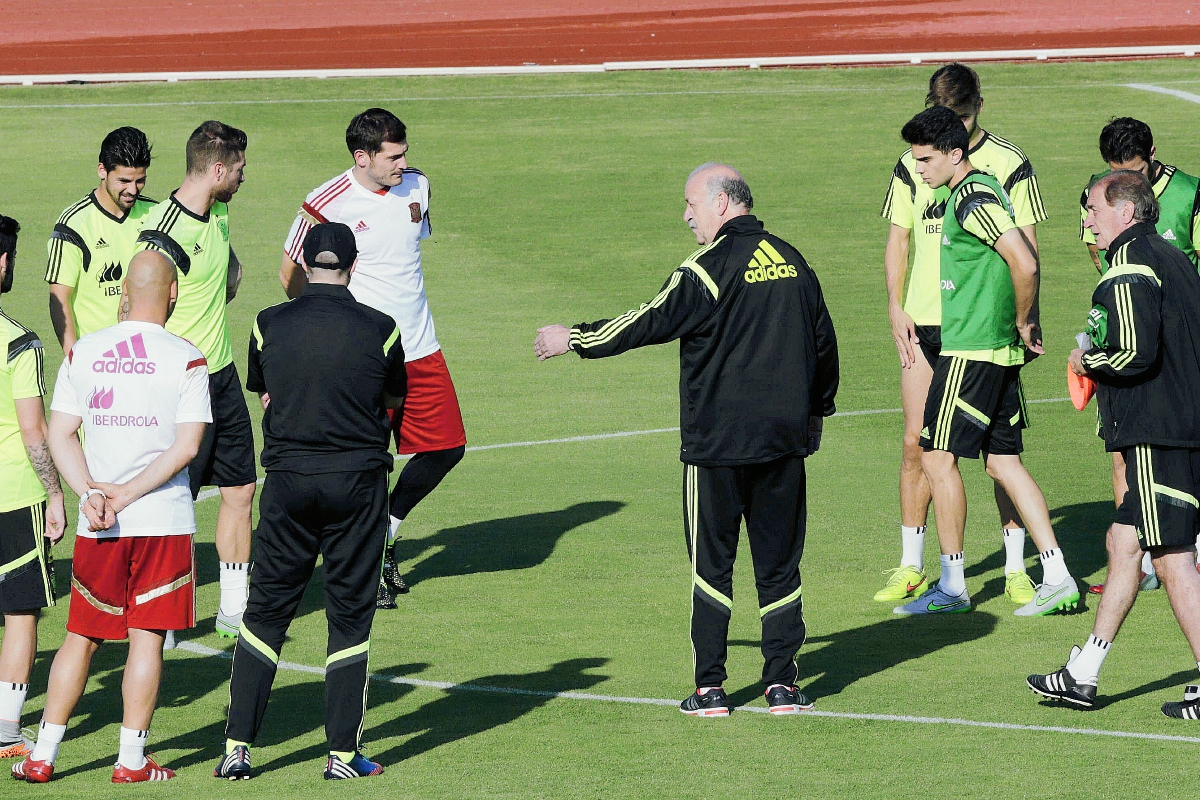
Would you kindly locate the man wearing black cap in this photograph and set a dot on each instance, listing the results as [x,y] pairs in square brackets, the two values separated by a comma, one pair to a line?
[327,369]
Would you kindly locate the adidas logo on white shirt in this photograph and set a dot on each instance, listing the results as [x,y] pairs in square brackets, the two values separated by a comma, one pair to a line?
[127,357]
[361,227]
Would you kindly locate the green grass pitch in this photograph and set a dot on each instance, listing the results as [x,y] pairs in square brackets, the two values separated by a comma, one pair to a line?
[562,567]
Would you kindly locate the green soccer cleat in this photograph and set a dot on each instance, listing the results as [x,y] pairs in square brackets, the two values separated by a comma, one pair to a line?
[228,625]
[1051,600]
[1019,588]
[903,582]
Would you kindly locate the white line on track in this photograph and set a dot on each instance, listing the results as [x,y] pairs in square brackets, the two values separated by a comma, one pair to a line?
[209,493]
[1149,87]
[204,650]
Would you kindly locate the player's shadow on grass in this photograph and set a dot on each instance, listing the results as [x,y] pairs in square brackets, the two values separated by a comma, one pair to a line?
[497,545]
[849,656]
[460,713]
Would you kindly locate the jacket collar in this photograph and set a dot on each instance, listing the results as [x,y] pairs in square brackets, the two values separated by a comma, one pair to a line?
[745,224]
[328,290]
[1138,230]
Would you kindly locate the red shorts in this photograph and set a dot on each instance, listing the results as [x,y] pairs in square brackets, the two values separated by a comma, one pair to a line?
[432,419]
[144,582]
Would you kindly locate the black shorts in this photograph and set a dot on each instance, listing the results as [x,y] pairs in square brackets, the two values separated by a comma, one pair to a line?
[930,337]
[26,566]
[974,407]
[1164,491]
[226,456]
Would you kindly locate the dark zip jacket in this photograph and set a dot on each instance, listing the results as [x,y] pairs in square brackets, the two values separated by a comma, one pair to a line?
[1145,334]
[757,350]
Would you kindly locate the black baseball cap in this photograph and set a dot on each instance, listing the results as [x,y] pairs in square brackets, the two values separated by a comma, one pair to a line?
[330,245]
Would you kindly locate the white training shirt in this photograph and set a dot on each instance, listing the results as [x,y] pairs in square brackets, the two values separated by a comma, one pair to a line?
[132,383]
[388,230]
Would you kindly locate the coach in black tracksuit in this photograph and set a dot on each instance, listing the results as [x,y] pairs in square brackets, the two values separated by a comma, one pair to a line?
[758,373]
[327,367]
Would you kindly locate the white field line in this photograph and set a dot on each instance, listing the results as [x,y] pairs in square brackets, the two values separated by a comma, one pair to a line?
[617,66]
[209,493]
[203,650]
[1148,87]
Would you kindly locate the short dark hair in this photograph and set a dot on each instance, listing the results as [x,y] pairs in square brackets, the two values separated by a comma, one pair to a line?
[370,129]
[9,228]
[1131,186]
[212,142]
[125,147]
[938,127]
[1125,138]
[955,86]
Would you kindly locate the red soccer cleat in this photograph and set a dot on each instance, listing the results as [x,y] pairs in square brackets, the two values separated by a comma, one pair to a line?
[33,771]
[150,771]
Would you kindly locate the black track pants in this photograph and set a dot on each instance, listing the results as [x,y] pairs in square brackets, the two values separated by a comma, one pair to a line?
[342,517]
[770,497]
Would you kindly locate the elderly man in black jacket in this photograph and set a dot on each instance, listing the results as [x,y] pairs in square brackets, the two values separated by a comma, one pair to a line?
[1145,359]
[758,374]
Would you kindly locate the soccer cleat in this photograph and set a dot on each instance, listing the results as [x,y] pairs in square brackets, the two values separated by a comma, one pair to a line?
[229,625]
[384,598]
[391,574]
[1063,687]
[235,766]
[1051,599]
[358,767]
[1148,583]
[1018,587]
[903,582]
[33,771]
[20,748]
[935,601]
[787,700]
[1189,708]
[713,703]
[150,771]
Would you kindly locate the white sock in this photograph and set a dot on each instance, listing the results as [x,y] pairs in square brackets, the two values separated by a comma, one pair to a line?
[48,741]
[1054,567]
[1014,549]
[12,700]
[235,577]
[952,580]
[132,754]
[1086,665]
[393,529]
[1147,563]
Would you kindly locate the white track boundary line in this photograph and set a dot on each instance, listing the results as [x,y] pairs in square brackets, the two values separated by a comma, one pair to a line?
[204,650]
[1044,54]
[1149,87]
[210,493]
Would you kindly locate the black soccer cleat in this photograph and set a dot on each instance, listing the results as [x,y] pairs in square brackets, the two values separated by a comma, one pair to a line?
[1189,708]
[787,700]
[713,703]
[1064,688]
[235,766]
[391,574]
[384,599]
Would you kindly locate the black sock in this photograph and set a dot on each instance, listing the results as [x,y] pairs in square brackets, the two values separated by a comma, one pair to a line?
[420,476]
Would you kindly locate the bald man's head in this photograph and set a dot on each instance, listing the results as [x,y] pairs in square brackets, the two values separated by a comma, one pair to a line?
[149,290]
[714,194]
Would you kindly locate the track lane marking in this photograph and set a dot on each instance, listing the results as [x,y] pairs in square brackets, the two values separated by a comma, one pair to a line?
[210,493]
[449,686]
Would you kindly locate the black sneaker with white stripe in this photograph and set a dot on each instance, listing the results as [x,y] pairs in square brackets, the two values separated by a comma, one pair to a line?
[1063,687]
[235,766]
[713,703]
[787,700]
[1189,708]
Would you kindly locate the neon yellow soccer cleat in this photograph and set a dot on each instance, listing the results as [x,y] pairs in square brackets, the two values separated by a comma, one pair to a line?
[903,582]
[1019,588]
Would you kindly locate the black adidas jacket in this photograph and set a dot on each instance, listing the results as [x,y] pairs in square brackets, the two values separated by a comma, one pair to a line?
[1145,332]
[757,351]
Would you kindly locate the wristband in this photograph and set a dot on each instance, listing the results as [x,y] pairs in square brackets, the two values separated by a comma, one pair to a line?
[89,493]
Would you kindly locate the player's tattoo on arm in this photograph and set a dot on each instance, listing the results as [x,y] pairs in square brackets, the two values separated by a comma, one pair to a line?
[43,465]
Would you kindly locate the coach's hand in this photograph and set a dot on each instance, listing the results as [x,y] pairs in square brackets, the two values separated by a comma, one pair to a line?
[904,331]
[1075,361]
[119,497]
[56,518]
[551,341]
[816,427]
[99,516]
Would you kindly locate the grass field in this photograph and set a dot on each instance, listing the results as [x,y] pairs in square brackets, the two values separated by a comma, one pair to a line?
[561,567]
